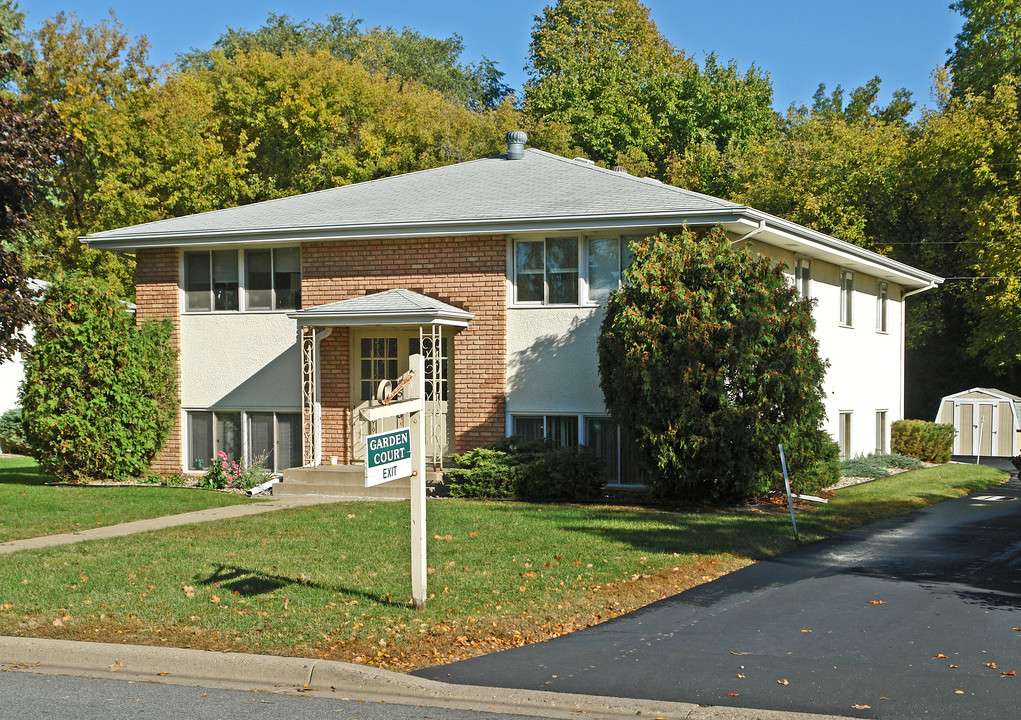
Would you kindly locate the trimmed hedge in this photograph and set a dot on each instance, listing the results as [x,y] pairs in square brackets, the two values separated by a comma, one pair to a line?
[927,441]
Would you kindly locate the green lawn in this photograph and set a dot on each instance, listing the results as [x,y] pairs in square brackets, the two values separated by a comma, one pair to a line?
[29,508]
[333,580]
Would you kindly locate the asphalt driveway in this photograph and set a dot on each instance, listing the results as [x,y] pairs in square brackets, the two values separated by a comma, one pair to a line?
[913,617]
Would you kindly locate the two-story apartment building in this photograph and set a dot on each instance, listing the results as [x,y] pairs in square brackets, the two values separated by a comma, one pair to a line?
[289,313]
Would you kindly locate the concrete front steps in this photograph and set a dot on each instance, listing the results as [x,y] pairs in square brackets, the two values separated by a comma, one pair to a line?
[346,481]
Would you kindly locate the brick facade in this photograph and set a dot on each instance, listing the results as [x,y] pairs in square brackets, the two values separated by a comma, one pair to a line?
[465,272]
[156,297]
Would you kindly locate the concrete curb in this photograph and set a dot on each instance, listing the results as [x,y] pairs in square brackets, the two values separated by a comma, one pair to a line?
[338,680]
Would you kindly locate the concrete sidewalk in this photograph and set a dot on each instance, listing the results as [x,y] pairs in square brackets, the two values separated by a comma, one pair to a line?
[331,679]
[158,523]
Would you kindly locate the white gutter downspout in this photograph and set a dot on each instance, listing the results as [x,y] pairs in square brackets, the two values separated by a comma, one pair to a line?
[904,336]
[761,227]
[317,460]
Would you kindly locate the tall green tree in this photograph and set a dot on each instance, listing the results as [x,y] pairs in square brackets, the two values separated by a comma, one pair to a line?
[31,143]
[404,55]
[988,48]
[602,69]
[708,358]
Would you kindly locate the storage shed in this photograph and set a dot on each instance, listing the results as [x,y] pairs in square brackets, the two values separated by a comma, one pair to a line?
[986,420]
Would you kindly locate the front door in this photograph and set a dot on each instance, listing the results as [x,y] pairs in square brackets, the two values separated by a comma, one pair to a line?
[381,353]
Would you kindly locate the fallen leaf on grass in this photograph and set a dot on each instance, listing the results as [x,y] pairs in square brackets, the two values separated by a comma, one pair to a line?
[877,602]
[991,665]
[1007,673]
[214,599]
[783,682]
[939,655]
[473,534]
[58,623]
[188,590]
[350,515]
[287,601]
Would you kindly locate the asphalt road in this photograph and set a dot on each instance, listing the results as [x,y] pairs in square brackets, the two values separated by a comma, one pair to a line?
[913,617]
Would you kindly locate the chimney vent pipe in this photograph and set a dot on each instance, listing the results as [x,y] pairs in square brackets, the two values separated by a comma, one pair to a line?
[516,140]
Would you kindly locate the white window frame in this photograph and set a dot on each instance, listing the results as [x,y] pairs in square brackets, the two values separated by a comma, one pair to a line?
[845,420]
[622,239]
[846,298]
[242,270]
[882,427]
[882,306]
[803,276]
[245,430]
[545,302]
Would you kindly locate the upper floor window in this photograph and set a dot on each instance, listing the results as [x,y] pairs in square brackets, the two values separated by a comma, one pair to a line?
[548,272]
[803,277]
[846,297]
[271,280]
[882,296]
[607,258]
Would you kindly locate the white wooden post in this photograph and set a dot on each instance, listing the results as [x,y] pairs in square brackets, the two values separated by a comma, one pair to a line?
[418,535]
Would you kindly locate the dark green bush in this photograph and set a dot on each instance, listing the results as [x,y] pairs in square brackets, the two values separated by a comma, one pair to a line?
[708,357]
[481,473]
[564,473]
[12,432]
[821,470]
[927,441]
[99,396]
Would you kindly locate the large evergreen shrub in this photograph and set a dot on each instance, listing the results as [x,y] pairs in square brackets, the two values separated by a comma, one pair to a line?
[99,395]
[708,357]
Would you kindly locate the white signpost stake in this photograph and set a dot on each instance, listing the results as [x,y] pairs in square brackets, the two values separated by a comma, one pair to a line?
[386,459]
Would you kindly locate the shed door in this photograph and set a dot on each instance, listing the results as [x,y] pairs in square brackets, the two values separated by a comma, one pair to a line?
[965,428]
[986,429]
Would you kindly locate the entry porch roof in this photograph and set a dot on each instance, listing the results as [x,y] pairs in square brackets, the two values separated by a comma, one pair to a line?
[390,307]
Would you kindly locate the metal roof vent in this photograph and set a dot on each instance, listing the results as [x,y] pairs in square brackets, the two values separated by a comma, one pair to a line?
[620,169]
[515,144]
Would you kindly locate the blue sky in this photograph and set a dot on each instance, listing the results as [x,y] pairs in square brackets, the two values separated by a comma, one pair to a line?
[801,43]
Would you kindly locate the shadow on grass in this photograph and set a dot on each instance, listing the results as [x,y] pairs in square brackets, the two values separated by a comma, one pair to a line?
[23,471]
[249,583]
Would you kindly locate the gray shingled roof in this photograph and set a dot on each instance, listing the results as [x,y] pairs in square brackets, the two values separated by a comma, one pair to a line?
[390,307]
[540,185]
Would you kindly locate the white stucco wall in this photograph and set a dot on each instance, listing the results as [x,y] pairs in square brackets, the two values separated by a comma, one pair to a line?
[552,365]
[864,375]
[246,361]
[12,373]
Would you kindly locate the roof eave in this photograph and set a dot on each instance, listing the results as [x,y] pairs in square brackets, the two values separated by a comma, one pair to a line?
[381,231]
[313,318]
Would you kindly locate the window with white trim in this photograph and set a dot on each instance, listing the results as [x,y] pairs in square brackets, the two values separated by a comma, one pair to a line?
[882,298]
[265,279]
[561,430]
[546,271]
[846,298]
[274,438]
[844,434]
[880,432]
[803,277]
[606,260]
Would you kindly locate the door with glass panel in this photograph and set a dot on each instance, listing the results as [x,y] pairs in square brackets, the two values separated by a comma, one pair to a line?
[380,354]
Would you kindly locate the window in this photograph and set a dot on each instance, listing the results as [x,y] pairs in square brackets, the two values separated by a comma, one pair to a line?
[272,437]
[561,430]
[844,435]
[378,362]
[272,279]
[546,271]
[601,435]
[882,295]
[846,297]
[213,282]
[607,259]
[803,277]
[880,432]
